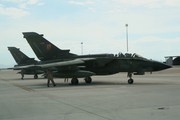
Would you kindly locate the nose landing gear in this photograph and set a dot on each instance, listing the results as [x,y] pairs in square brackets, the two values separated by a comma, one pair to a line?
[35,76]
[130,81]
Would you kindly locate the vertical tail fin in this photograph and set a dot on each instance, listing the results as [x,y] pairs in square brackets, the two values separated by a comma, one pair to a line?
[20,57]
[44,49]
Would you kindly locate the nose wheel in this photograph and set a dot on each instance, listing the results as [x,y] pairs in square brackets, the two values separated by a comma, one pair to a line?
[35,76]
[130,81]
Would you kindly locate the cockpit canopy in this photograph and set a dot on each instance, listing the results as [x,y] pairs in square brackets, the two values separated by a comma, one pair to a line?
[129,55]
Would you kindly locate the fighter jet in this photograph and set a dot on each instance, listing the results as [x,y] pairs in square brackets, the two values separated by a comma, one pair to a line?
[22,60]
[69,65]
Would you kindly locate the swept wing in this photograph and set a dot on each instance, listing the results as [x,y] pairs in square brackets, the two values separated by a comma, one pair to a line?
[54,64]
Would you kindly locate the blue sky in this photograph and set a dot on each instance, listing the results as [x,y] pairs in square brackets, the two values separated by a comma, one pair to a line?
[153,26]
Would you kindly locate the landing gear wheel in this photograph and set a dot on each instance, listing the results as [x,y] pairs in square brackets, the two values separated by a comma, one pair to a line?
[88,79]
[74,81]
[130,81]
[35,76]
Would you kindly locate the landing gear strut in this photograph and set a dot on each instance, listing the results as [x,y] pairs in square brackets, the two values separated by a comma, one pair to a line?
[88,79]
[74,81]
[130,81]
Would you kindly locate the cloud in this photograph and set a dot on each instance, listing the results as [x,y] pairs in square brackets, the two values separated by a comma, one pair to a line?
[173,2]
[22,5]
[116,11]
[31,2]
[15,13]
[92,9]
[41,3]
[89,2]
[19,8]
[77,3]
[150,3]
[15,1]
[21,1]
[145,3]
[80,3]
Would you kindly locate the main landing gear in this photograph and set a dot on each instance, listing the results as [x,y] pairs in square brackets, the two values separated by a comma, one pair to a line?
[130,81]
[88,79]
[75,81]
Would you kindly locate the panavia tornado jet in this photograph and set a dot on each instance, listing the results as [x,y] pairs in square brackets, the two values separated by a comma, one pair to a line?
[22,60]
[69,65]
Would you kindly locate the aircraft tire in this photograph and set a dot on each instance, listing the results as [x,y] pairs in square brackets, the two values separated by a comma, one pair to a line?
[74,81]
[35,76]
[130,81]
[88,79]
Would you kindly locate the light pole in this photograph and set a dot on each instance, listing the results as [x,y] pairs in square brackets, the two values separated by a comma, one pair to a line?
[127,35]
[81,48]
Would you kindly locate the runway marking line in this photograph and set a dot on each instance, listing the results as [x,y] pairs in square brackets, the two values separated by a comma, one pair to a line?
[23,87]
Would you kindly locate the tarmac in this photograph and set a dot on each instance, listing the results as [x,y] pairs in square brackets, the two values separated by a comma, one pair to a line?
[152,97]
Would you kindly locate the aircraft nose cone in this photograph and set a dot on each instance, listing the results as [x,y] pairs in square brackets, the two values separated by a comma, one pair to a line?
[157,66]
